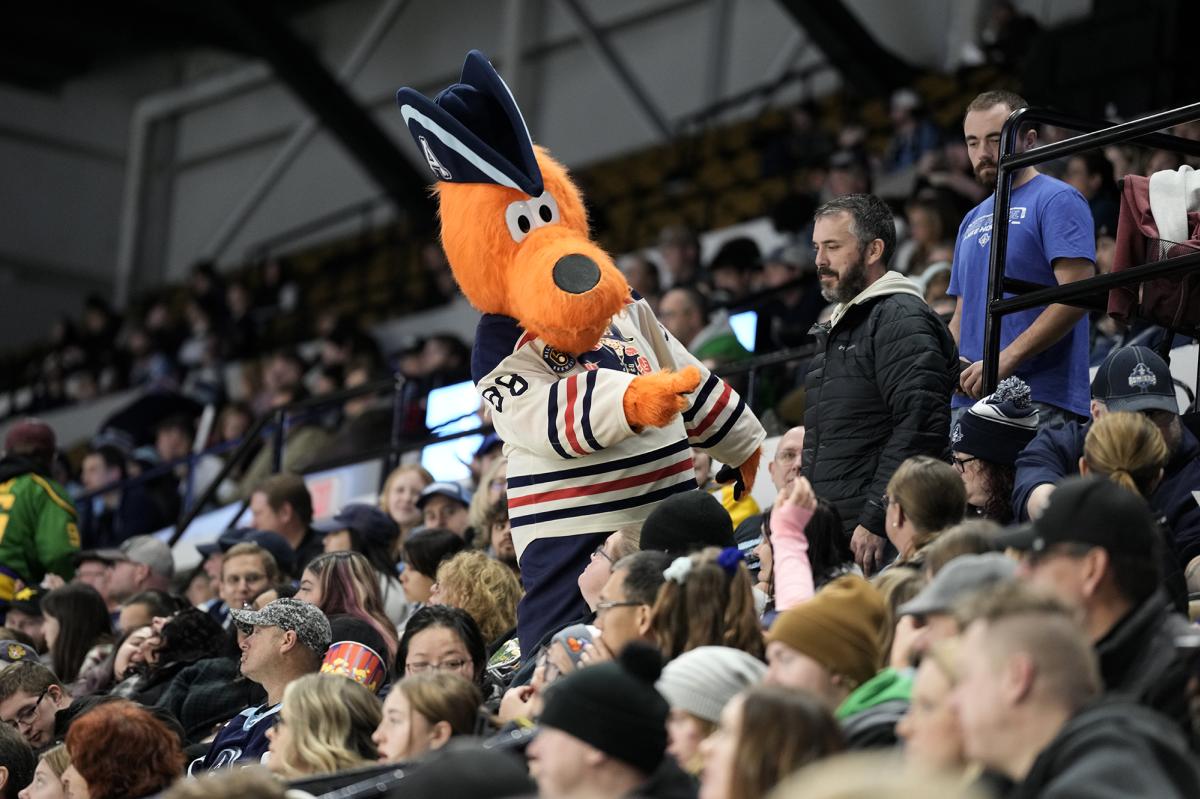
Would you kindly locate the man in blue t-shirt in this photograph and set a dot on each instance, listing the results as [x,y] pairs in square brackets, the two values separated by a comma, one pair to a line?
[1051,241]
[282,642]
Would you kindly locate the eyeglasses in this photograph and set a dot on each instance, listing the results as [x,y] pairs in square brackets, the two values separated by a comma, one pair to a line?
[600,553]
[445,665]
[961,465]
[24,717]
[550,671]
[601,607]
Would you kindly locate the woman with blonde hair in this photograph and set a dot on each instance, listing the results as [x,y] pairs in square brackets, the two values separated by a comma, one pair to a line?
[424,711]
[929,728]
[1128,449]
[47,777]
[324,725]
[398,499]
[493,486]
[485,588]
[924,497]
[707,600]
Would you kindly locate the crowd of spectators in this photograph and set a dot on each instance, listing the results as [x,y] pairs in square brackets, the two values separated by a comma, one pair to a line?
[990,592]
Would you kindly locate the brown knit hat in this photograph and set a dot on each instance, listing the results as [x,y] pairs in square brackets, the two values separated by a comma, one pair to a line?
[839,628]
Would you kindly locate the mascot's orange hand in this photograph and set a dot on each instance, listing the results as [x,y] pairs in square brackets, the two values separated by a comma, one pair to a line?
[743,476]
[654,400]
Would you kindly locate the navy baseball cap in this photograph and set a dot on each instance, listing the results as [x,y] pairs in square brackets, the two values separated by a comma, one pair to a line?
[277,545]
[473,132]
[444,489]
[490,442]
[367,520]
[1135,379]
[1092,511]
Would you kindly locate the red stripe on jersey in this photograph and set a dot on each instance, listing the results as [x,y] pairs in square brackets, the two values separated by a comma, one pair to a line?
[601,488]
[713,414]
[569,415]
[525,339]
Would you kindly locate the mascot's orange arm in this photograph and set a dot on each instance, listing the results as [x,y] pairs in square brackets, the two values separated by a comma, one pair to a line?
[653,400]
[749,469]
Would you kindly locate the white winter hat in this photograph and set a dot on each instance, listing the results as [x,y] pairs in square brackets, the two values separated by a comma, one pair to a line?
[702,680]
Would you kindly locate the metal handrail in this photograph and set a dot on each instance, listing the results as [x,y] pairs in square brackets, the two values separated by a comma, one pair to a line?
[1097,134]
[279,417]
[396,445]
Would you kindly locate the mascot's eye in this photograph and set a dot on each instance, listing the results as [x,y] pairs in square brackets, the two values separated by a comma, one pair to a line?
[520,220]
[547,208]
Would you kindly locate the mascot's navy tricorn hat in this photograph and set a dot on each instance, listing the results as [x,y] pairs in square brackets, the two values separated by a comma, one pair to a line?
[473,131]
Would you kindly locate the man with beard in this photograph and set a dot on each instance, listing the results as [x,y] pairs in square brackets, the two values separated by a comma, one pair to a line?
[878,390]
[1050,242]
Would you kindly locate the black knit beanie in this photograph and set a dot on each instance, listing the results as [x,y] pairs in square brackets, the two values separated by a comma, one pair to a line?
[614,707]
[686,523]
[999,426]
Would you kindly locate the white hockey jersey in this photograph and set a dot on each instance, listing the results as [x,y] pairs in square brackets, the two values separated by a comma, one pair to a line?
[574,464]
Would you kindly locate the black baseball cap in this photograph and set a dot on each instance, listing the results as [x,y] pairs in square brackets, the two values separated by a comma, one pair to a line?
[1092,511]
[368,521]
[1135,379]
[277,545]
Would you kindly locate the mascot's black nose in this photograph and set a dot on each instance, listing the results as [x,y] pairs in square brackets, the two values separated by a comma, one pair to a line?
[576,274]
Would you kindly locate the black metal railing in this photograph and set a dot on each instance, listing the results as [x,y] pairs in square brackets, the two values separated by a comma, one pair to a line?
[1081,293]
[275,423]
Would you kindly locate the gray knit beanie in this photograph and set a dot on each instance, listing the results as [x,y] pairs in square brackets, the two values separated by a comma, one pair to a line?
[702,680]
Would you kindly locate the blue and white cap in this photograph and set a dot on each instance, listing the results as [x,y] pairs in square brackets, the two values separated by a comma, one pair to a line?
[473,132]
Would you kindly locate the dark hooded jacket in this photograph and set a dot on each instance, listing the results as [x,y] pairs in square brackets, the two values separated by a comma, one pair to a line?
[878,392]
[1113,749]
[1140,657]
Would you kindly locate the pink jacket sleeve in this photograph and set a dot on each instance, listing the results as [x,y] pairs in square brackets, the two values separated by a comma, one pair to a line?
[793,572]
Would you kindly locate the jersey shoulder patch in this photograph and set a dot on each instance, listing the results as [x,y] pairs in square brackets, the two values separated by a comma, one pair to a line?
[495,338]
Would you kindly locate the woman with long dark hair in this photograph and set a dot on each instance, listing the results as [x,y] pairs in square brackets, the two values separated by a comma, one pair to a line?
[78,629]
[366,529]
[344,583]
[986,441]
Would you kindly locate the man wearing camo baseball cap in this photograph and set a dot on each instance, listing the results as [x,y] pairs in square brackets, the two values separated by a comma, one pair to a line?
[282,642]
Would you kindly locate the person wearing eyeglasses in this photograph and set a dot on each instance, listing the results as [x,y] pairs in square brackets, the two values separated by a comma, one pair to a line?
[30,696]
[985,443]
[623,613]
[446,639]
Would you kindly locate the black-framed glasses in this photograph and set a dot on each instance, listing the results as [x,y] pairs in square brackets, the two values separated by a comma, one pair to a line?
[961,464]
[600,553]
[25,715]
[612,603]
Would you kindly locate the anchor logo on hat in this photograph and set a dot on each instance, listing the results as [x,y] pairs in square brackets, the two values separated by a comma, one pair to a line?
[1142,378]
[956,433]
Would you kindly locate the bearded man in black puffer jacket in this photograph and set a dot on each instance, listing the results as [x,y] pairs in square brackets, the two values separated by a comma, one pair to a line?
[879,391]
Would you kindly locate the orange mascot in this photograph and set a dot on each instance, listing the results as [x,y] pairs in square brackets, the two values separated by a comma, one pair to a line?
[597,404]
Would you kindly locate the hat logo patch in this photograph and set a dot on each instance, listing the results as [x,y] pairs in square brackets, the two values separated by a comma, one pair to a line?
[435,166]
[16,652]
[1142,378]
[956,433]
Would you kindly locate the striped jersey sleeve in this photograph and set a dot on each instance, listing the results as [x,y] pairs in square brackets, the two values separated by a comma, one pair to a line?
[553,415]
[717,418]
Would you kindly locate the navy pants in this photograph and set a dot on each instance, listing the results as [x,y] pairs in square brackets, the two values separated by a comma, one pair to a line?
[550,569]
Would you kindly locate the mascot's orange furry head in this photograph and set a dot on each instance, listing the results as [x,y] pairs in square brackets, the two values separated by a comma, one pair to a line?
[513,224]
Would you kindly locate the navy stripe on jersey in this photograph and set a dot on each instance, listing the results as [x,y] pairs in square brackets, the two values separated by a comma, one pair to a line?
[701,398]
[526,480]
[586,416]
[717,437]
[552,429]
[495,337]
[603,507]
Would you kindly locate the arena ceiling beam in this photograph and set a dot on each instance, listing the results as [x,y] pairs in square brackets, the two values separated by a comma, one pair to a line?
[865,65]
[268,35]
